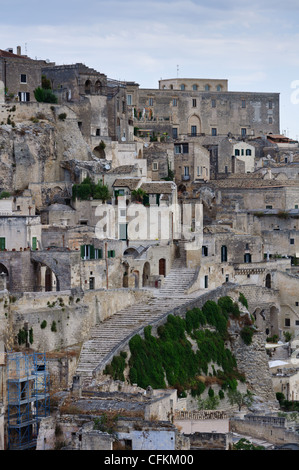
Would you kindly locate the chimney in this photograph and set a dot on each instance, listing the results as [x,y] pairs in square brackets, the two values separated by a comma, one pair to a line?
[18,50]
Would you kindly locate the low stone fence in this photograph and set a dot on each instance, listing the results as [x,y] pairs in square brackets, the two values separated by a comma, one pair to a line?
[200,415]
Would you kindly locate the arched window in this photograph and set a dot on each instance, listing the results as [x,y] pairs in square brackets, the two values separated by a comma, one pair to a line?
[248,152]
[268,281]
[207,87]
[182,86]
[219,87]
[237,152]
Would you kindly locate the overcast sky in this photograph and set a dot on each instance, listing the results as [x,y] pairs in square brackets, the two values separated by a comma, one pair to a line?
[254,44]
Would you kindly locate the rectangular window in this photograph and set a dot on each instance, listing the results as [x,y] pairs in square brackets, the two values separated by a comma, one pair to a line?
[194,103]
[151,101]
[213,103]
[193,130]
[214,131]
[206,282]
[23,78]
[24,97]
[270,120]
[2,243]
[204,250]
[174,102]
[185,148]
[155,166]
[91,283]
[87,252]
[186,171]
[287,322]
[270,104]
[129,100]
[243,132]
[292,241]
[111,254]
[98,254]
[223,254]
[243,104]
[174,133]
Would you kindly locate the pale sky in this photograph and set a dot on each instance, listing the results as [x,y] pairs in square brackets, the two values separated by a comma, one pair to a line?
[254,44]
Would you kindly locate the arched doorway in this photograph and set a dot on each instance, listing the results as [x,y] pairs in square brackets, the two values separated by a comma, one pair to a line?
[125,280]
[48,280]
[4,273]
[136,276]
[146,274]
[162,267]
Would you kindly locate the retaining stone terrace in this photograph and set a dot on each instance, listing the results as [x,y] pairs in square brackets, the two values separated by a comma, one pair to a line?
[113,334]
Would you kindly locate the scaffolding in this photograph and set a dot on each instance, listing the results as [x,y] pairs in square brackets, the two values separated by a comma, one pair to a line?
[28,398]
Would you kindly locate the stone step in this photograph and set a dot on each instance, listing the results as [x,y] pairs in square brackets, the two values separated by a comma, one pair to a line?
[111,332]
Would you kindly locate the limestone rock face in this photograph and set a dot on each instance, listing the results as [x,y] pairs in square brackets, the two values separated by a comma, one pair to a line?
[31,150]
[253,362]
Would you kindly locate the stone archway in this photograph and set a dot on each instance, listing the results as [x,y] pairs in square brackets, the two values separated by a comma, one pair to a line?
[194,125]
[146,274]
[87,87]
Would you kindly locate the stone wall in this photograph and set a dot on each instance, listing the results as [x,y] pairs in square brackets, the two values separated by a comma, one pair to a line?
[266,428]
[73,315]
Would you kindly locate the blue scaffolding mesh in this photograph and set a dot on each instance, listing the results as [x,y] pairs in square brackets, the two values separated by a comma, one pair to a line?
[28,398]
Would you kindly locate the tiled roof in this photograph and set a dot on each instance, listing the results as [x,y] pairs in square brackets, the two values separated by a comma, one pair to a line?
[126,183]
[158,188]
[8,54]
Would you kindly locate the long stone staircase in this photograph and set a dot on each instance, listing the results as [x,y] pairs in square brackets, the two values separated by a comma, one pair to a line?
[107,337]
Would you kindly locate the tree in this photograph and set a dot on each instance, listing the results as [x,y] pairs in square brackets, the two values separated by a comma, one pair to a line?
[237,398]
[138,194]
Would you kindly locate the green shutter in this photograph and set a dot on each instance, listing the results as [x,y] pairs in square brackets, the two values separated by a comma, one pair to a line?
[100,253]
[2,243]
[113,253]
[91,252]
[34,243]
[109,254]
[82,248]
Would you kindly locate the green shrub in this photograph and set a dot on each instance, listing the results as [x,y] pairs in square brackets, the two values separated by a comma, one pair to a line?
[43,95]
[171,354]
[243,300]
[43,324]
[247,334]
[54,326]
[4,194]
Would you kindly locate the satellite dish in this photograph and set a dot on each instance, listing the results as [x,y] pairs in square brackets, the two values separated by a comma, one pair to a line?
[146,144]
[123,139]
[107,167]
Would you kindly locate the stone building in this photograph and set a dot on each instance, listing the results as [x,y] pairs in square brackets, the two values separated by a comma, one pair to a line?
[20,75]
[193,107]
[100,103]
